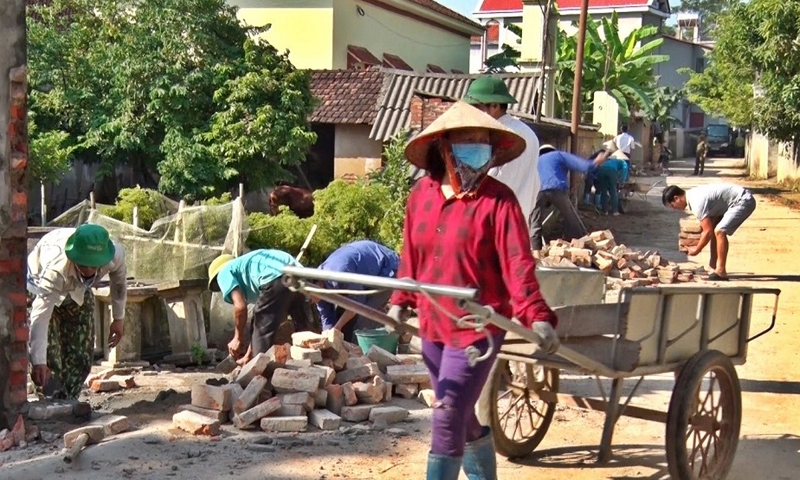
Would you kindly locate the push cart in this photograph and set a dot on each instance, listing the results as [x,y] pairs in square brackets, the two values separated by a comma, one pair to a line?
[699,333]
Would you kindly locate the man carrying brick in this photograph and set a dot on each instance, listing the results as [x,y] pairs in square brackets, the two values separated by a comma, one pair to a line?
[257,278]
[62,269]
[363,257]
[721,209]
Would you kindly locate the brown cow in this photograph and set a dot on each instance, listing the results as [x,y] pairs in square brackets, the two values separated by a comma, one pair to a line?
[299,200]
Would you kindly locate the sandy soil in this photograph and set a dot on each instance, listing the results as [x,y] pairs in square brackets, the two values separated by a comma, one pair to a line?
[764,253]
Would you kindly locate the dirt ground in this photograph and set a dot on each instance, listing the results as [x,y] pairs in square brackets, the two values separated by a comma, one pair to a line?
[763,253]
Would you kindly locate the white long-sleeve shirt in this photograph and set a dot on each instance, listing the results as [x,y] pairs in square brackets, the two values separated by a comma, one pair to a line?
[520,174]
[52,277]
[625,142]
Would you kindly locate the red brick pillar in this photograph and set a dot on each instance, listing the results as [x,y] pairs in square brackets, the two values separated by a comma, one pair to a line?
[14,330]
[14,248]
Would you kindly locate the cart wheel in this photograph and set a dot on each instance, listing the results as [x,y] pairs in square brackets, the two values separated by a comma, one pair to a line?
[703,420]
[519,418]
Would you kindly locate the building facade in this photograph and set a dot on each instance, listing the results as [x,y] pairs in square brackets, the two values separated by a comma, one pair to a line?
[419,35]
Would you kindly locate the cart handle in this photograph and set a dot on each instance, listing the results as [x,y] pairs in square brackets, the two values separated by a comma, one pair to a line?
[777,293]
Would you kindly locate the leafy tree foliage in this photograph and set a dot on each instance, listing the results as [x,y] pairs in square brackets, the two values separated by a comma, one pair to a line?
[612,64]
[710,12]
[175,88]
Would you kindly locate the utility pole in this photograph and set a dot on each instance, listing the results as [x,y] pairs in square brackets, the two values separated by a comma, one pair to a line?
[576,87]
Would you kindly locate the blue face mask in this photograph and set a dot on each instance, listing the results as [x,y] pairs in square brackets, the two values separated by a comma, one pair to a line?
[474,155]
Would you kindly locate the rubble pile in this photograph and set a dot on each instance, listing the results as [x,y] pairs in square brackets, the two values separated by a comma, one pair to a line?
[624,267]
[318,379]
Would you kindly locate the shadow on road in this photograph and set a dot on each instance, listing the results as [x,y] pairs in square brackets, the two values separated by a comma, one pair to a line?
[766,457]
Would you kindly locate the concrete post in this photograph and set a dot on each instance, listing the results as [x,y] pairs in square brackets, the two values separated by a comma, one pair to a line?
[14,330]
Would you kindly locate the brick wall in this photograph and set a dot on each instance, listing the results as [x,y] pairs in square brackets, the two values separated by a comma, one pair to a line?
[13,209]
[424,110]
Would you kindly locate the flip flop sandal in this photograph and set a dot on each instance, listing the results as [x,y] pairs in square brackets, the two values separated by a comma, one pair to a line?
[714,277]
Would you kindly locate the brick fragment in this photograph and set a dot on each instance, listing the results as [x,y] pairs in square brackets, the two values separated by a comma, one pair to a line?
[256,413]
[195,423]
[321,398]
[335,400]
[427,397]
[382,357]
[407,390]
[350,397]
[290,411]
[356,413]
[220,416]
[297,423]
[407,374]
[100,386]
[387,415]
[300,353]
[304,399]
[360,373]
[213,397]
[250,395]
[324,419]
[370,393]
[113,424]
[96,434]
[287,381]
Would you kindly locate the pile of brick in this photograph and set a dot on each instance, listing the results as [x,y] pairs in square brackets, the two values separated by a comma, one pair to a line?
[689,236]
[624,266]
[318,379]
[110,380]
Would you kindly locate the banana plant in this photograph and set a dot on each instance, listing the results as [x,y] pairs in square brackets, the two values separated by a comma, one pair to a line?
[623,67]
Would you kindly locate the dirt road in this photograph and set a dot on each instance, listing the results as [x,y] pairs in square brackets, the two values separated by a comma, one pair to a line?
[763,252]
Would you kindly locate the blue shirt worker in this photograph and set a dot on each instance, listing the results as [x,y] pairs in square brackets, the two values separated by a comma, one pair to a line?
[256,278]
[554,167]
[363,257]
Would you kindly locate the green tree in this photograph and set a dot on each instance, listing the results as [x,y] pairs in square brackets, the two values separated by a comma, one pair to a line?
[50,153]
[725,87]
[710,12]
[623,67]
[190,96]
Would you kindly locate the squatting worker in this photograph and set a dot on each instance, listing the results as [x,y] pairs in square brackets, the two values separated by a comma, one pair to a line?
[466,229]
[721,209]
[363,257]
[257,278]
[62,269]
[490,95]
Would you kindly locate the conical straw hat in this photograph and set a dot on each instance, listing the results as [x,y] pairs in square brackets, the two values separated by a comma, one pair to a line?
[506,144]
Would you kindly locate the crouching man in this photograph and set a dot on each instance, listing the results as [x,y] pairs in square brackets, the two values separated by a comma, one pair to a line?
[62,269]
[366,258]
[721,209]
[257,278]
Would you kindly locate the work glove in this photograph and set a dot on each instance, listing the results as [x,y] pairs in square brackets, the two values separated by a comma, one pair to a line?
[398,313]
[548,339]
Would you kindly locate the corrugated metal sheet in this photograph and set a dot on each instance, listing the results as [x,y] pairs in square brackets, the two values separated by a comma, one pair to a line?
[394,110]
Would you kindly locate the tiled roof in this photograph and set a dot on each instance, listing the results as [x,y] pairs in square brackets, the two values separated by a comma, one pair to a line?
[346,96]
[399,87]
[516,5]
[433,68]
[395,62]
[356,54]
[439,8]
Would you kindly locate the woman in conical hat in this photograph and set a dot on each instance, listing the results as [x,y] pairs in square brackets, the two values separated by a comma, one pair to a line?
[464,228]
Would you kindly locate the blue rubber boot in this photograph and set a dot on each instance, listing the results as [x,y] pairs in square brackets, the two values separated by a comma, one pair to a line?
[598,202]
[442,467]
[479,462]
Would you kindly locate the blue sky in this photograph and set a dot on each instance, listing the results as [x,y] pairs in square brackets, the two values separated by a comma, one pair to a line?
[464,7]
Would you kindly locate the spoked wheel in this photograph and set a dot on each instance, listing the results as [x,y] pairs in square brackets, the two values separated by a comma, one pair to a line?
[704,417]
[519,417]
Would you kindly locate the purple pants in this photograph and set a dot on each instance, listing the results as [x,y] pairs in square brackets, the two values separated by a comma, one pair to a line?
[458,387]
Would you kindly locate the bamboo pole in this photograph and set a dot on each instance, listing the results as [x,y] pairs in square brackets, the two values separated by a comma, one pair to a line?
[136,216]
[92,203]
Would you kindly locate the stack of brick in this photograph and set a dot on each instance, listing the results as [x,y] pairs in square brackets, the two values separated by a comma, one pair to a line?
[689,236]
[624,266]
[110,380]
[318,379]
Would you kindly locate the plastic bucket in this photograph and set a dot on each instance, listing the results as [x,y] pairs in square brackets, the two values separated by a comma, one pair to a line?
[377,336]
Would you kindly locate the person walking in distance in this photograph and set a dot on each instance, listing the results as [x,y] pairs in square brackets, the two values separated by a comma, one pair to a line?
[465,228]
[701,155]
[490,95]
[721,209]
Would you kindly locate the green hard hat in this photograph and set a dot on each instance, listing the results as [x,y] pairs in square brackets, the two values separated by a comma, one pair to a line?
[488,89]
[90,246]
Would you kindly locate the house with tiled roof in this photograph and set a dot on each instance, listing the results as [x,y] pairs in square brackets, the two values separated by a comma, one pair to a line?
[496,15]
[418,35]
[359,111]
